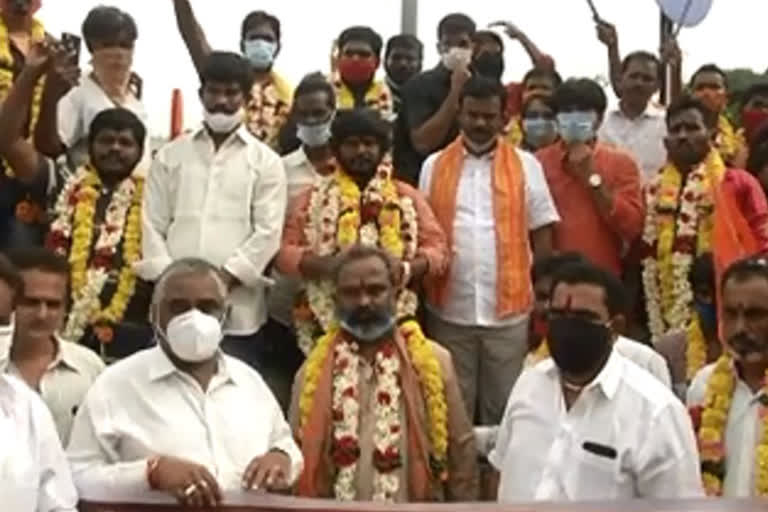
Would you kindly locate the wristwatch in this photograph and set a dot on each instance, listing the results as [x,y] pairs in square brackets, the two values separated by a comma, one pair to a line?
[595,180]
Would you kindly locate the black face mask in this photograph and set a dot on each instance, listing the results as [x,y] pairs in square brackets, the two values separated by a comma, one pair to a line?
[490,65]
[577,345]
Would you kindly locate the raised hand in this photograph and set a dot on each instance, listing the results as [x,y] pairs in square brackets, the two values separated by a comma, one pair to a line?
[509,28]
[606,33]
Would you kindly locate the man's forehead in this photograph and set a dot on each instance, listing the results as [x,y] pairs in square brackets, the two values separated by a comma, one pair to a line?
[364,271]
[192,285]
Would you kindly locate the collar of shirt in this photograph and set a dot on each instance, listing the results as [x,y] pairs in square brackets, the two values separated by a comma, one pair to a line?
[161,367]
[652,111]
[240,133]
[607,380]
[297,158]
[63,357]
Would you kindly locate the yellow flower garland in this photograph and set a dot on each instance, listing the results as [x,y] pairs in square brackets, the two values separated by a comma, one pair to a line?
[729,141]
[711,435]
[82,241]
[6,73]
[312,369]
[695,349]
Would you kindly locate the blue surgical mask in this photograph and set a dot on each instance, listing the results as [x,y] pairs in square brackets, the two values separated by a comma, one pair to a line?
[314,135]
[707,312]
[576,126]
[261,53]
[539,132]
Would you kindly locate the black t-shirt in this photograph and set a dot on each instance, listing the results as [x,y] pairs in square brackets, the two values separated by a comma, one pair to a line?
[421,98]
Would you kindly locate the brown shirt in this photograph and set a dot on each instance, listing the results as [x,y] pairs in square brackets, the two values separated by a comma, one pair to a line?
[462,484]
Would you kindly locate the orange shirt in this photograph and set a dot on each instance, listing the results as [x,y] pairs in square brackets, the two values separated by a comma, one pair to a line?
[583,227]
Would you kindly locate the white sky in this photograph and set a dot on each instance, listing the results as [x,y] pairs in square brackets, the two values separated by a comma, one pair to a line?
[730,36]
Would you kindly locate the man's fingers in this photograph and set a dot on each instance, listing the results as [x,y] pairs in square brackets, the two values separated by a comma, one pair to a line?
[211,486]
[276,478]
[260,477]
[250,473]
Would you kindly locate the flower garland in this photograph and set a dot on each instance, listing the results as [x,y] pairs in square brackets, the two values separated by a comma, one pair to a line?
[346,407]
[678,226]
[711,432]
[729,142]
[72,235]
[268,109]
[377,97]
[695,348]
[339,216]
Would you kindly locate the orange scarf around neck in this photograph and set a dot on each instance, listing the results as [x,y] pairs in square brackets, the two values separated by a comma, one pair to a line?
[513,284]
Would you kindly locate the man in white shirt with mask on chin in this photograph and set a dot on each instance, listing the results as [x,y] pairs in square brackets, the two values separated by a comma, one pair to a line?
[589,424]
[34,475]
[182,417]
[219,194]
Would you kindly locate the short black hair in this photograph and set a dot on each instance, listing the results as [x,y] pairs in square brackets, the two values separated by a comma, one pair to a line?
[38,258]
[547,266]
[360,122]
[118,119]
[710,68]
[404,41]
[747,268]
[363,252]
[644,56]
[108,24]
[455,23]
[756,89]
[316,82]
[688,102]
[546,100]
[9,274]
[488,35]
[483,87]
[227,67]
[256,18]
[581,94]
[587,273]
[539,72]
[361,34]
[702,271]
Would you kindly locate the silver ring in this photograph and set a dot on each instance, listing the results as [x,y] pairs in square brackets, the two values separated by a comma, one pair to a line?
[190,490]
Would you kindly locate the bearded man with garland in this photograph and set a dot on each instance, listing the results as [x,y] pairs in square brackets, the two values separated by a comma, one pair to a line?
[728,398]
[693,206]
[96,221]
[376,407]
[358,203]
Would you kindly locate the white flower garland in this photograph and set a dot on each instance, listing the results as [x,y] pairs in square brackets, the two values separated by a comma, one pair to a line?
[345,401]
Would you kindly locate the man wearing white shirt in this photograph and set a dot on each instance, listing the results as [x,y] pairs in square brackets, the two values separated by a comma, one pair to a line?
[490,200]
[732,390]
[588,424]
[219,194]
[182,417]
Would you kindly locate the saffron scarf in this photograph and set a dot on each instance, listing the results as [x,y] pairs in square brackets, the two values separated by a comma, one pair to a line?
[316,481]
[513,284]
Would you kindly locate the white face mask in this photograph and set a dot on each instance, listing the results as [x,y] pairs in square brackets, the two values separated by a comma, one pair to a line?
[314,135]
[194,336]
[221,122]
[456,57]
[6,338]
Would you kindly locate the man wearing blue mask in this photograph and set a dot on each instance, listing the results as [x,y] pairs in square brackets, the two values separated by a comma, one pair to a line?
[270,99]
[182,417]
[596,187]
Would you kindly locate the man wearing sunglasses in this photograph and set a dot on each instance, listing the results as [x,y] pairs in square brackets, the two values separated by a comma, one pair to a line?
[588,424]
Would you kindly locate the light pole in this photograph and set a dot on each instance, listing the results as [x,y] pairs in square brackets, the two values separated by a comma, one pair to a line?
[409,14]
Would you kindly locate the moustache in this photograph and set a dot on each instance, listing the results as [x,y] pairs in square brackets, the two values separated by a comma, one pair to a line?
[113,156]
[744,344]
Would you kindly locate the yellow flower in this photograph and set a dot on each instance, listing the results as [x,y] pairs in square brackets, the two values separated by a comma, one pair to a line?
[696,348]
[312,370]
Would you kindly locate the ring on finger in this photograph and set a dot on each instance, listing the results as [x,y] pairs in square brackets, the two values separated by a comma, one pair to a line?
[202,484]
[190,490]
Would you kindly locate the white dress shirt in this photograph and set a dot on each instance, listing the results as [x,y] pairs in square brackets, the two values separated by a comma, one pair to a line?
[65,382]
[472,300]
[34,474]
[742,432]
[645,357]
[540,449]
[225,206]
[642,137]
[143,406]
[78,108]
[301,174]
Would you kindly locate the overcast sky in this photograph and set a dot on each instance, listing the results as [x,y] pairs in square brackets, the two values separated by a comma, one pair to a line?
[732,35]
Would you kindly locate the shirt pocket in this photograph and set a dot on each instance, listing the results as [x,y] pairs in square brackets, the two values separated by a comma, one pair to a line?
[591,477]
[232,195]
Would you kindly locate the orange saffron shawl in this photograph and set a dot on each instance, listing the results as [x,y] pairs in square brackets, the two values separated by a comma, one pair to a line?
[513,284]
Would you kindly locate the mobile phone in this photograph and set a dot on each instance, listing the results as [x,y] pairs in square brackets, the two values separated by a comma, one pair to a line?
[72,43]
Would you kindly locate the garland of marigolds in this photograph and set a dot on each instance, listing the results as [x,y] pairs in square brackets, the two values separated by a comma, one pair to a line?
[72,234]
[711,434]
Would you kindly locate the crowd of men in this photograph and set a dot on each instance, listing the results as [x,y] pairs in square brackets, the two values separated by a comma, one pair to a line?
[427,287]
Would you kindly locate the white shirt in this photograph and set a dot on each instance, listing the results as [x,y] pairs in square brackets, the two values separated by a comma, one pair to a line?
[78,108]
[540,446]
[472,300]
[301,174]
[143,406]
[65,382]
[645,357]
[742,433]
[34,474]
[642,137]
[225,206]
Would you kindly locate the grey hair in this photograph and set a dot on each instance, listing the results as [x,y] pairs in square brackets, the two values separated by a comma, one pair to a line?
[188,266]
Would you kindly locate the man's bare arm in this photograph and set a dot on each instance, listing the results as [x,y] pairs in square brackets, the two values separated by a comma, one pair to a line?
[192,33]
